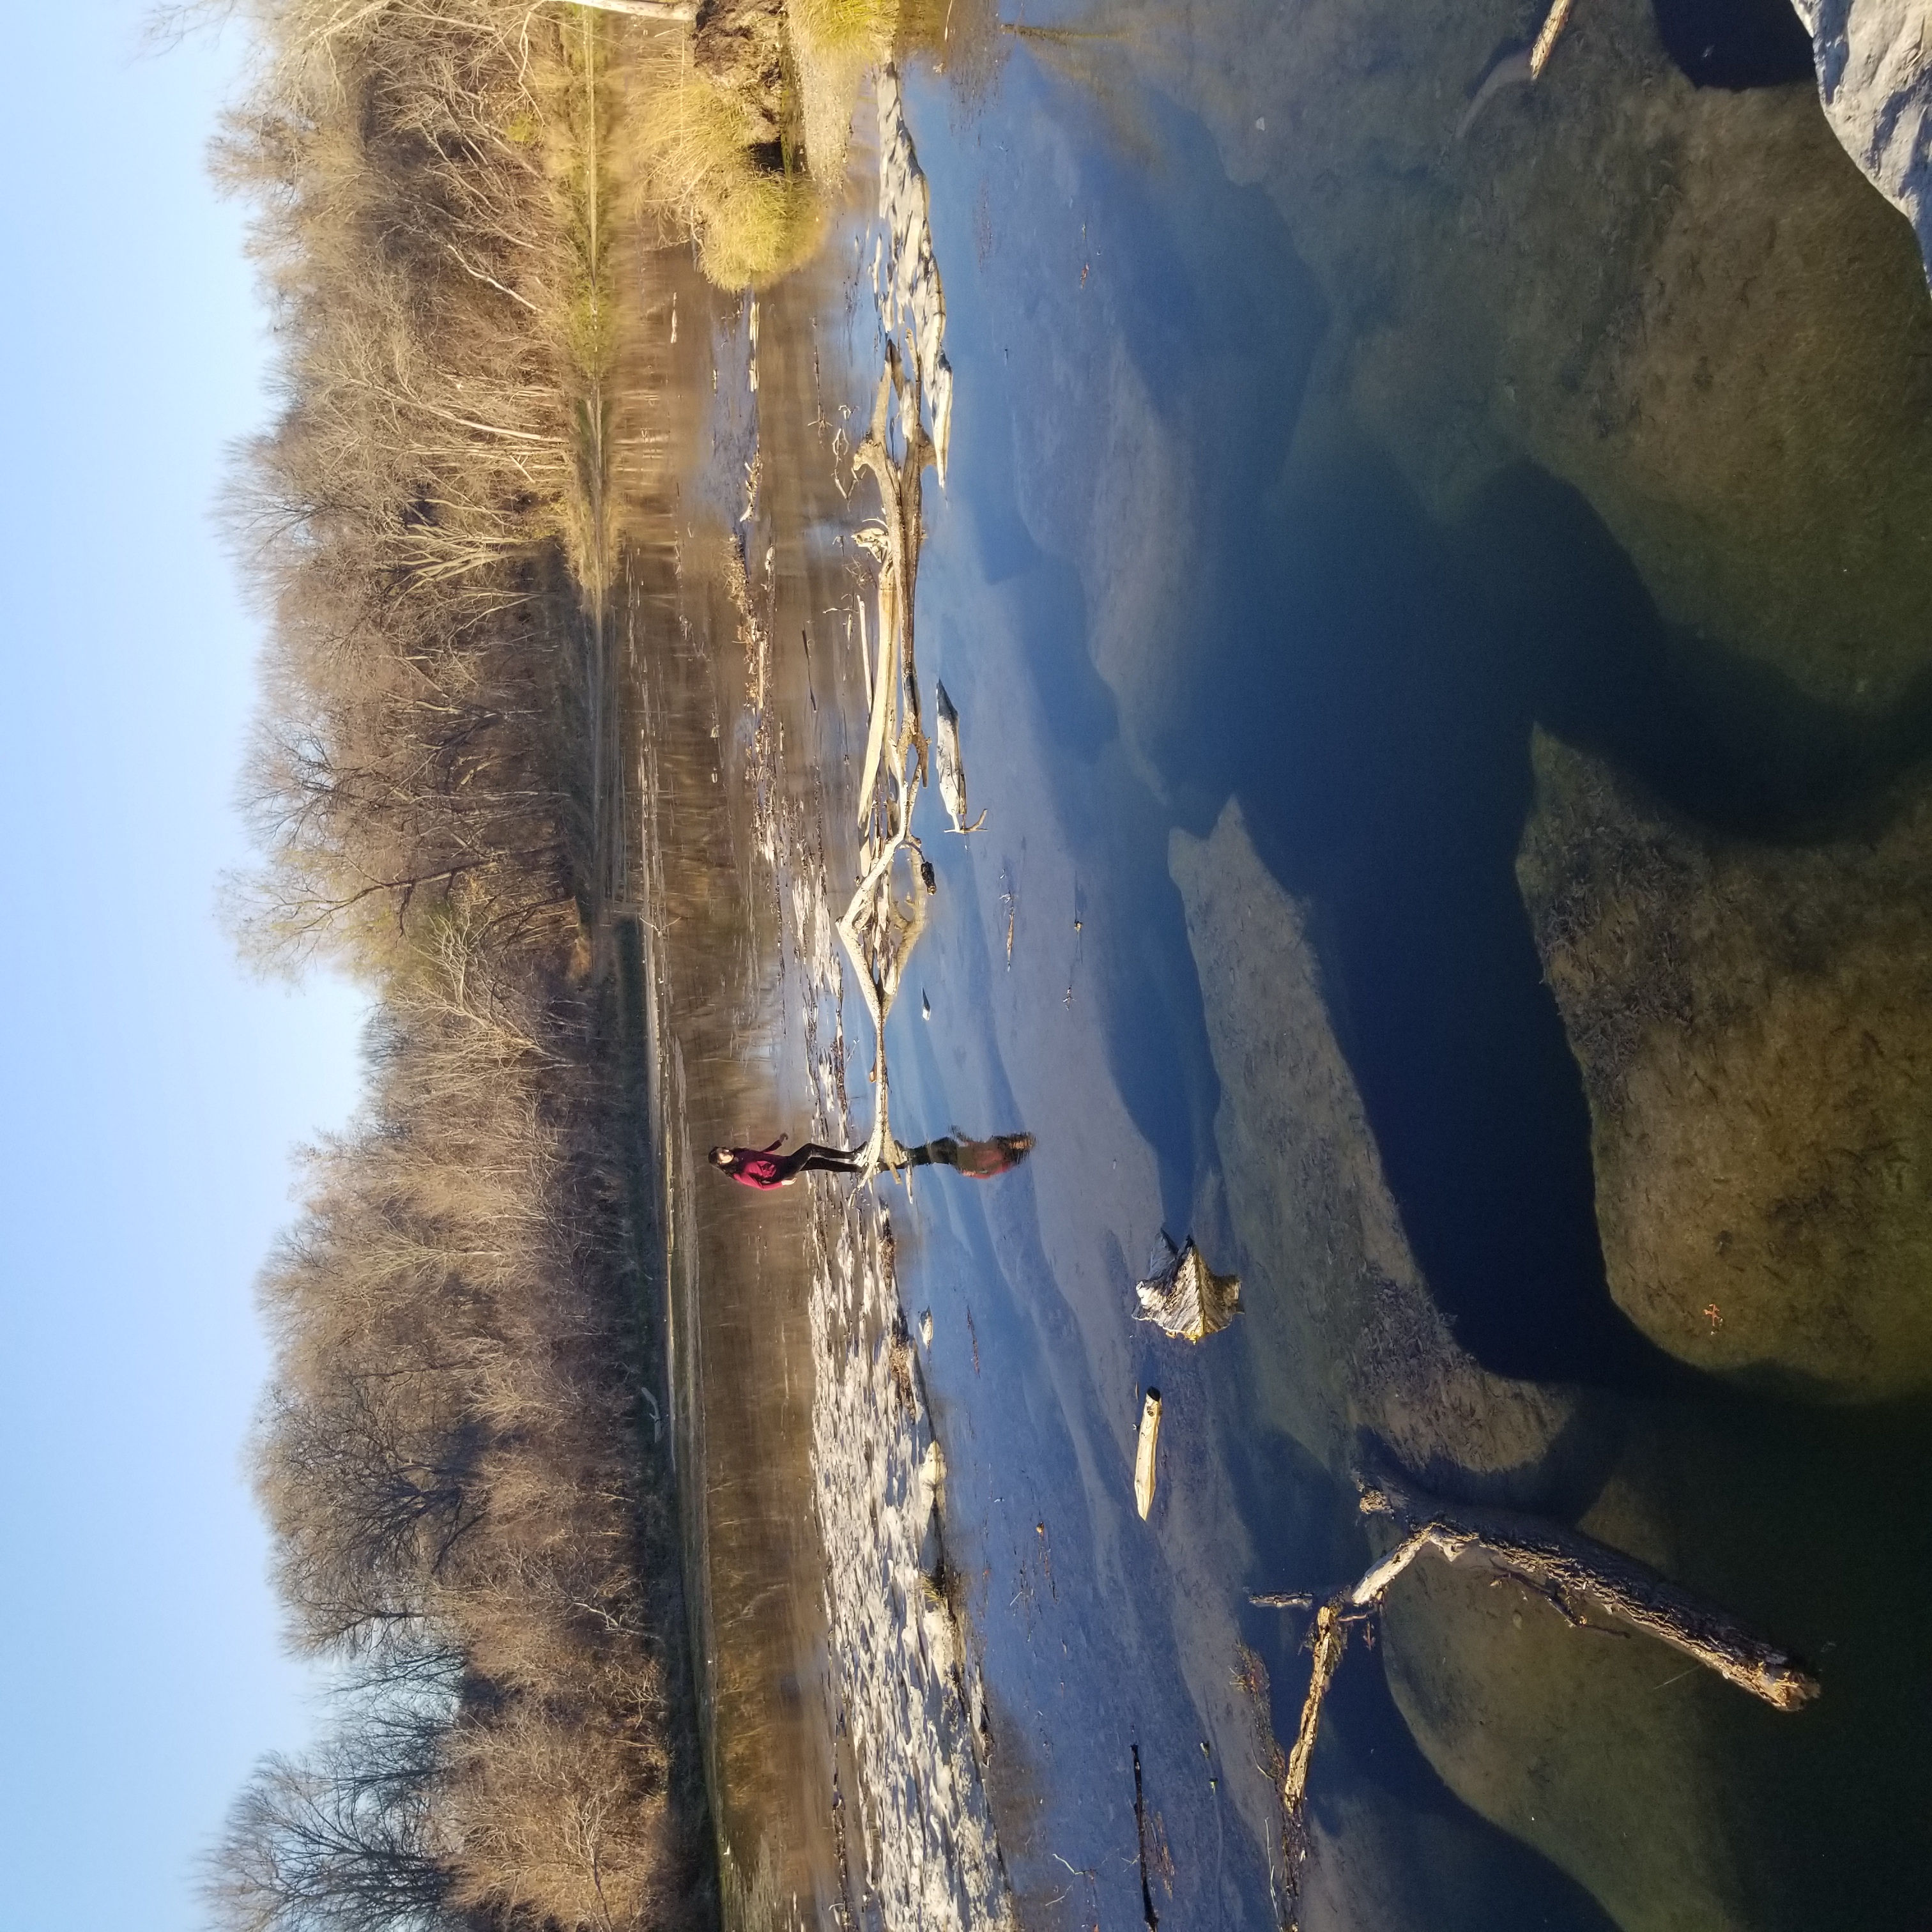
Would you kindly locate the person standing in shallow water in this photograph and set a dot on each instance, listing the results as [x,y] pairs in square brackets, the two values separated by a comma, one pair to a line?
[766,1168]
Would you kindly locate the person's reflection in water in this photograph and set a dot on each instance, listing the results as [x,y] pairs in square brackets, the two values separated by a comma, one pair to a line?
[766,1168]
[981,1159]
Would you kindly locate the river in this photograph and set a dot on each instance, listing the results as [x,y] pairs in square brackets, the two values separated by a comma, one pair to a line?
[1356,541]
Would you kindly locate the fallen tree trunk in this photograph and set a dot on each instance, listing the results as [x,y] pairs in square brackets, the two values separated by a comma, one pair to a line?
[1575,1572]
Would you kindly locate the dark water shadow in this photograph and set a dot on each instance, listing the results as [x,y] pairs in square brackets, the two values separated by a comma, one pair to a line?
[1374,724]
[1817,1524]
[1463,1873]
[1566,1476]
[1372,713]
[1725,739]
[1735,43]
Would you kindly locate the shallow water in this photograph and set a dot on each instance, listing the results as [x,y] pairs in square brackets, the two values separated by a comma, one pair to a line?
[1248,682]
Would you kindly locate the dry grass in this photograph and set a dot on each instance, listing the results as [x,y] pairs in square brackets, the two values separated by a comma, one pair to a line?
[693,145]
[834,45]
[841,29]
[700,136]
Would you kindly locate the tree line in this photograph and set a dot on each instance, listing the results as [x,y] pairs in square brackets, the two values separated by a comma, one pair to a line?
[472,1525]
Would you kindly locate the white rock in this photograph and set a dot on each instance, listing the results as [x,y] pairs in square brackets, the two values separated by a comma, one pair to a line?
[1874,63]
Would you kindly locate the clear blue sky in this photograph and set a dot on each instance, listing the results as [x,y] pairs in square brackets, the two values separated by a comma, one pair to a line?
[154,1093]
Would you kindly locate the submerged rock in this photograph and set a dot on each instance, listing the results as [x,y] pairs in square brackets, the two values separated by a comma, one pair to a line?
[1184,1296]
[1344,1334]
[1554,1734]
[1559,1735]
[1753,1023]
[1684,301]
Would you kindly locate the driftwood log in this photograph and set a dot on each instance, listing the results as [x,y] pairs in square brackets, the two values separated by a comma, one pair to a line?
[1581,1577]
[1577,1573]
[1553,24]
[1146,1448]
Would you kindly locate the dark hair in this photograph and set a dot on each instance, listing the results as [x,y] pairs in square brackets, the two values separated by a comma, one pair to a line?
[723,1156]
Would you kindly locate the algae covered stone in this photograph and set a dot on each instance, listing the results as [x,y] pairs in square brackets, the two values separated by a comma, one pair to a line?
[1686,302]
[1537,1726]
[1753,1023]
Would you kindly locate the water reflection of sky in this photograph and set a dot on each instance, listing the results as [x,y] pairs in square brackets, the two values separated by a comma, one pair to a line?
[1162,577]
[1106,541]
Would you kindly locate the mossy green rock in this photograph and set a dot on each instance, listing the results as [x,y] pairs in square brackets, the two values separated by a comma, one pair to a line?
[1688,303]
[1591,1744]
[1553,1733]
[1754,1026]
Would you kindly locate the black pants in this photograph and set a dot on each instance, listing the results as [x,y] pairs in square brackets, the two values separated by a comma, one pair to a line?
[813,1159]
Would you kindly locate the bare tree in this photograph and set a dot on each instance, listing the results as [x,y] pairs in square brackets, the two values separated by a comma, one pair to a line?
[346,1842]
[448,1457]
[368,1482]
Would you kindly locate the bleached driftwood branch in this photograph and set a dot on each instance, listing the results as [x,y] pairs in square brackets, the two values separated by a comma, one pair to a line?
[878,941]
[1553,24]
[895,705]
[1577,1574]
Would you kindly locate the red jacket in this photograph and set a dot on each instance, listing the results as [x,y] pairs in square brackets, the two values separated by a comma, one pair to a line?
[760,1167]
